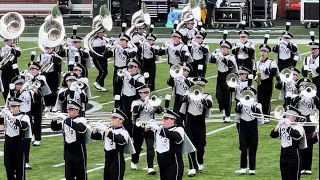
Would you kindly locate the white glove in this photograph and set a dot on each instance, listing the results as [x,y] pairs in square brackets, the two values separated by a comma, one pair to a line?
[284,42]
[7,113]
[219,55]
[25,85]
[29,75]
[73,87]
[78,90]
[262,68]
[288,94]
[155,47]
[73,48]
[242,85]
[313,66]
[153,125]
[11,86]
[317,129]
[127,75]
[61,116]
[239,44]
[283,121]
[190,43]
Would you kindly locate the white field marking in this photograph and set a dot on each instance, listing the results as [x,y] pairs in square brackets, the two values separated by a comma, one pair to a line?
[1,153]
[96,107]
[143,154]
[146,168]
[94,97]
[58,165]
[29,48]
[159,90]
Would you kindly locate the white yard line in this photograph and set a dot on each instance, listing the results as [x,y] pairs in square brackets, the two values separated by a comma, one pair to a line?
[58,165]
[143,154]
[94,97]
[29,48]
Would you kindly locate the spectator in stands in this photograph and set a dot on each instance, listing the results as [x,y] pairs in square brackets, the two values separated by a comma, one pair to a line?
[64,6]
[210,4]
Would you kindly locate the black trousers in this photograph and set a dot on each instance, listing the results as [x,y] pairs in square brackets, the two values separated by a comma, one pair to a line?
[151,69]
[27,141]
[264,91]
[102,67]
[176,108]
[76,166]
[290,165]
[316,81]
[170,166]
[307,153]
[114,167]
[282,64]
[36,111]
[210,8]
[248,63]
[195,128]
[223,94]
[139,135]
[53,83]
[6,77]
[195,65]
[125,106]
[248,138]
[115,76]
[14,158]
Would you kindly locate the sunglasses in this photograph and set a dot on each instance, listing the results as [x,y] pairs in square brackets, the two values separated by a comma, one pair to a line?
[191,23]
[6,40]
[131,66]
[167,118]
[314,48]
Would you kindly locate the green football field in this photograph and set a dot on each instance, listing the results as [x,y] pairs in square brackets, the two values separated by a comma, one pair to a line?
[222,156]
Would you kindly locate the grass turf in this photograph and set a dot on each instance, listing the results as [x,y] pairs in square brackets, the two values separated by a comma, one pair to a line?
[221,157]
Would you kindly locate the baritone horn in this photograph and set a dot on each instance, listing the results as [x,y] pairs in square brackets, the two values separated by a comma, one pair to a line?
[309,90]
[196,92]
[176,71]
[232,80]
[286,75]
[154,99]
[247,97]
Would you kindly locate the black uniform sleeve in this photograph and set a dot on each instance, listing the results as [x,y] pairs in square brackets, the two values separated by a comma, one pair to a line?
[279,85]
[275,48]
[204,50]
[55,126]
[84,54]
[207,103]
[63,95]
[118,85]
[170,81]
[22,124]
[293,48]
[172,135]
[84,98]
[183,55]
[137,109]
[118,138]
[238,108]
[135,83]
[213,60]
[76,126]
[295,100]
[185,39]
[96,136]
[57,63]
[158,109]
[184,98]
[235,51]
[274,134]
[293,132]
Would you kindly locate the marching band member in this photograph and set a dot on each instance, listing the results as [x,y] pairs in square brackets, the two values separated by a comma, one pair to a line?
[17,91]
[10,69]
[74,131]
[50,64]
[143,111]
[169,140]
[176,50]
[226,64]
[305,105]
[292,138]
[149,55]
[100,59]
[244,50]
[180,86]
[199,52]
[116,142]
[77,54]
[126,86]
[82,77]
[265,69]
[71,90]
[196,111]
[288,89]
[248,133]
[286,52]
[139,34]
[36,105]
[311,64]
[188,32]
[17,127]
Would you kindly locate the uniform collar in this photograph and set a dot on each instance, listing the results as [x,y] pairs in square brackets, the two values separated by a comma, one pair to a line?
[74,117]
[120,127]
[17,114]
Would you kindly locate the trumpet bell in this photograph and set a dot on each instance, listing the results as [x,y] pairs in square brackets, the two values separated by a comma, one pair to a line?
[286,75]
[314,116]
[196,92]
[232,80]
[176,71]
[155,99]
[12,25]
[309,90]
[247,97]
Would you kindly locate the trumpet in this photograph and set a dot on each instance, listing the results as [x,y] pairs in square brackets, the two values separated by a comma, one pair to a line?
[258,77]
[196,92]
[176,71]
[232,80]
[80,84]
[144,124]
[120,72]
[154,99]
[286,75]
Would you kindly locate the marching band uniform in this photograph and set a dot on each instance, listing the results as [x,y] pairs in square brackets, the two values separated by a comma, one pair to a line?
[311,63]
[244,50]
[116,142]
[180,86]
[305,105]
[188,32]
[169,147]
[77,54]
[36,105]
[196,111]
[226,64]
[248,133]
[82,77]
[149,55]
[17,127]
[139,36]
[286,52]
[267,69]
[10,69]
[176,50]
[287,90]
[293,138]
[17,91]
[127,85]
[199,53]
[52,75]
[100,46]
[143,111]
[74,131]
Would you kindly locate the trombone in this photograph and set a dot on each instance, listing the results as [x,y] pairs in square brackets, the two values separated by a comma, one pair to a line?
[232,80]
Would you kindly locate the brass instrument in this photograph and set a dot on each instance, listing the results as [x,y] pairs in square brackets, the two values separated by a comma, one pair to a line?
[12,25]
[144,124]
[309,90]
[141,15]
[46,65]
[196,92]
[101,21]
[310,74]
[176,71]
[191,10]
[247,97]
[258,78]
[286,75]
[80,84]
[232,80]
[120,72]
